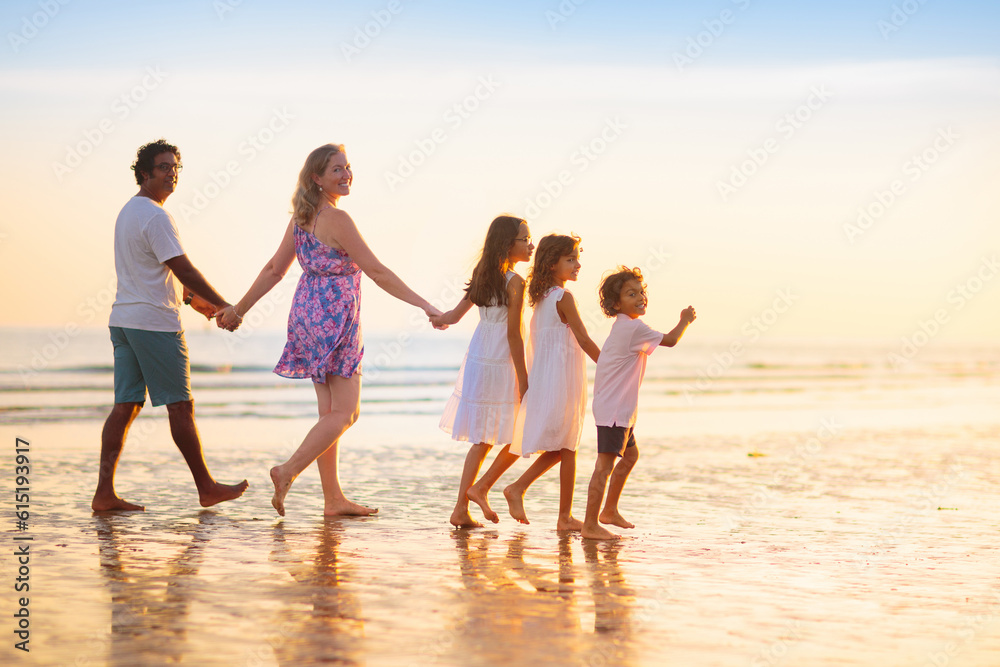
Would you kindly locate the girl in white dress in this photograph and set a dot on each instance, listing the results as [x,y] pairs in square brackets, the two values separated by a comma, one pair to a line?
[550,419]
[493,377]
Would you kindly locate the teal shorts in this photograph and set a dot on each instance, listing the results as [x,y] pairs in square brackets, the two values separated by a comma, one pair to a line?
[153,360]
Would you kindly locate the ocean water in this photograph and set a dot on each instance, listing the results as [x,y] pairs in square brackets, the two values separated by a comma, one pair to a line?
[795,504]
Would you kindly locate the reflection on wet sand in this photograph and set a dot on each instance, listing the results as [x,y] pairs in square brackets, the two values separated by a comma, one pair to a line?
[148,623]
[320,621]
[517,610]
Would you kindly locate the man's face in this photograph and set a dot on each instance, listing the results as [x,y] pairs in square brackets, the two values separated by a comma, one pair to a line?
[163,180]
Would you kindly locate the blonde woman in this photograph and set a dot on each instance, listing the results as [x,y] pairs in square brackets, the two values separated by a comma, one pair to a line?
[324,327]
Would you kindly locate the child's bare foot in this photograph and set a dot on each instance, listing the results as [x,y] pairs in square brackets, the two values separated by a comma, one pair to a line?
[598,533]
[347,508]
[476,496]
[462,519]
[615,519]
[515,504]
[221,493]
[569,524]
[113,503]
[281,486]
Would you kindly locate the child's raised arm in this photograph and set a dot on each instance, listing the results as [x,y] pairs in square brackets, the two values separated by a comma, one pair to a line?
[571,316]
[687,317]
[444,320]
[515,305]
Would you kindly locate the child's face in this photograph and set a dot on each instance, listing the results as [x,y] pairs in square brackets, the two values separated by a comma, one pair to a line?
[523,247]
[568,266]
[632,299]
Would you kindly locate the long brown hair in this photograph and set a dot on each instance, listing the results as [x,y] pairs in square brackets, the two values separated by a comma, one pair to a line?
[305,201]
[542,274]
[488,285]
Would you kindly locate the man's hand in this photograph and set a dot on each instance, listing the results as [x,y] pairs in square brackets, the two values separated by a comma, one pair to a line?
[199,304]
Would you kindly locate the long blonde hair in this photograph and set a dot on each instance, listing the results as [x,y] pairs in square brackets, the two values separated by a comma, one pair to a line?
[305,201]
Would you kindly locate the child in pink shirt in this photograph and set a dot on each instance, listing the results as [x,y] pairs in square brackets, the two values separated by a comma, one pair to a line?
[620,368]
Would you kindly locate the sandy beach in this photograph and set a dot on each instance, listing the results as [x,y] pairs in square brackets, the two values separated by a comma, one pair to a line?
[825,545]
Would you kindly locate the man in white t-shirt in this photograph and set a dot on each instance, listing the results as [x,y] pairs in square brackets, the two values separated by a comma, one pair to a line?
[150,350]
[620,369]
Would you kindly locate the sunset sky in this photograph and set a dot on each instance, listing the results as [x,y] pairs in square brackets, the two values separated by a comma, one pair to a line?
[825,170]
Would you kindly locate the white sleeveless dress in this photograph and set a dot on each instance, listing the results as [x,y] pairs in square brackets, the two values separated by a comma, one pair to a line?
[483,406]
[551,415]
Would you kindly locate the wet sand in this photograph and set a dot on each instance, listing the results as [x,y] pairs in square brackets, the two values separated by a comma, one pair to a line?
[856,545]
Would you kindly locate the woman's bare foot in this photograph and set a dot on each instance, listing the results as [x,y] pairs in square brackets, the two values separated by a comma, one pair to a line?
[598,533]
[515,504]
[281,486]
[569,524]
[221,493]
[480,499]
[113,503]
[615,519]
[347,508]
[461,518]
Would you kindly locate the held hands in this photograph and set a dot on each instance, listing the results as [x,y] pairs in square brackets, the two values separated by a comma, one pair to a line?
[436,317]
[199,304]
[228,319]
[688,315]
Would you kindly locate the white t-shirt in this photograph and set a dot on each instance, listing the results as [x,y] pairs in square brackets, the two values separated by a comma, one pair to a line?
[620,369]
[148,296]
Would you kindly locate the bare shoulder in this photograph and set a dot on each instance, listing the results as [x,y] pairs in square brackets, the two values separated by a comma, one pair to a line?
[334,227]
[516,282]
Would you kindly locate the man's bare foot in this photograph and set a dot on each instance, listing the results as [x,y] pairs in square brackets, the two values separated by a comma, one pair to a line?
[281,486]
[571,523]
[615,519]
[515,504]
[114,504]
[347,508]
[598,533]
[221,493]
[480,499]
[462,519]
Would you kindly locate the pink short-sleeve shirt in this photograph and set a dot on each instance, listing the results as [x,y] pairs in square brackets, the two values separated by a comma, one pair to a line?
[620,369]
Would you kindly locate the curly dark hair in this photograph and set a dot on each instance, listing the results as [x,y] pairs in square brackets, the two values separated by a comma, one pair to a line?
[143,165]
[611,287]
[488,285]
[547,254]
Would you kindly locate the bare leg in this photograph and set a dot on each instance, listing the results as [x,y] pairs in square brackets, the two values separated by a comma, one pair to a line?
[112,442]
[185,435]
[338,401]
[567,483]
[620,475]
[460,517]
[479,492]
[595,496]
[515,492]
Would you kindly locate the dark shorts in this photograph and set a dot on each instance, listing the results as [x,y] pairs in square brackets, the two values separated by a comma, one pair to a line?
[614,439]
[153,360]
